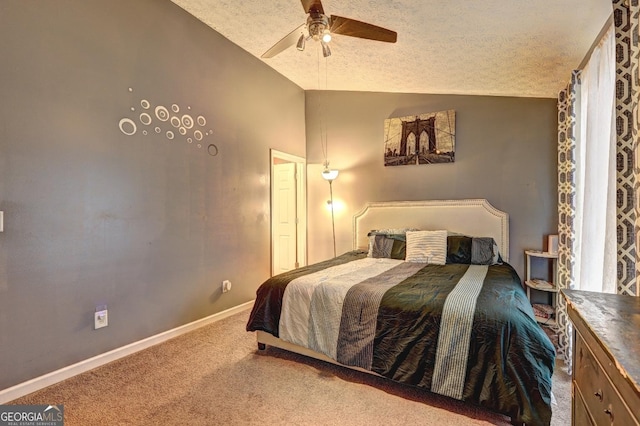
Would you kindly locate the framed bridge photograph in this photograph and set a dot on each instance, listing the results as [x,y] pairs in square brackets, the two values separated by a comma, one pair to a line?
[420,139]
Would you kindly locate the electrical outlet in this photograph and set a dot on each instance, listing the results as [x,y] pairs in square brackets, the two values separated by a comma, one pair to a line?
[226,286]
[101,319]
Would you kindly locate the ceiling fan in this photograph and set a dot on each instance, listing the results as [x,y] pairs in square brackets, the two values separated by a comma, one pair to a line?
[320,27]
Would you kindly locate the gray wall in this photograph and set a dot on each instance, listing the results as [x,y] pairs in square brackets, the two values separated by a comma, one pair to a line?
[147,225]
[505,152]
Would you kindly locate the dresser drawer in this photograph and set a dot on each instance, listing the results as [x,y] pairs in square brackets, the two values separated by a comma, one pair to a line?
[600,397]
[579,412]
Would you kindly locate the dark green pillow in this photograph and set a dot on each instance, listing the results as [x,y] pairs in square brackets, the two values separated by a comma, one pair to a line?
[459,249]
[399,249]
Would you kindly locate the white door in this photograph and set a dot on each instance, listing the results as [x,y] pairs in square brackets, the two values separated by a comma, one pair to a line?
[285,244]
[288,212]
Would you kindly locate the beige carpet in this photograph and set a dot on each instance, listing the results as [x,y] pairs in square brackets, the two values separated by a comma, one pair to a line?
[215,376]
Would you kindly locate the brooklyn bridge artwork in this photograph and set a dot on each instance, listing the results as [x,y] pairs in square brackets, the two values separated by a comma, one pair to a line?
[420,139]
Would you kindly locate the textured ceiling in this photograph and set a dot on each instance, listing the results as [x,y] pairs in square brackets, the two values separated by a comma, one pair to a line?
[480,47]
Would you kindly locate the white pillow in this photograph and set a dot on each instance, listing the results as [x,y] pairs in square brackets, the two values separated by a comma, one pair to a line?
[427,247]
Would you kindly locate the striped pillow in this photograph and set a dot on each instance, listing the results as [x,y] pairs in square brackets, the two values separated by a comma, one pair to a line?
[381,246]
[427,247]
[484,251]
[397,234]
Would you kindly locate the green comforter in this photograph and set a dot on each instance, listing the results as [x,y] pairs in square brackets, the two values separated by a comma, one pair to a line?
[459,330]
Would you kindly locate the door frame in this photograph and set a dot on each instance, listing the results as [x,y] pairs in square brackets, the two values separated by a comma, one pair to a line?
[301,203]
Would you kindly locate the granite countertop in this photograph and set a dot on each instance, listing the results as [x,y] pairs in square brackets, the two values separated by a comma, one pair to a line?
[615,320]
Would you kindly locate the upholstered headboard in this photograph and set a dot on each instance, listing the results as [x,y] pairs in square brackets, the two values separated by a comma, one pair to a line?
[473,217]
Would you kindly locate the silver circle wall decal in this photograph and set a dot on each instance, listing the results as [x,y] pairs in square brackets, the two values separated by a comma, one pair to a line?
[162,113]
[127,126]
[145,118]
[172,120]
[187,121]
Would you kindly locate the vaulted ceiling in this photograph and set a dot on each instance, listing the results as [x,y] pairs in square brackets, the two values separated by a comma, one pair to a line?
[480,47]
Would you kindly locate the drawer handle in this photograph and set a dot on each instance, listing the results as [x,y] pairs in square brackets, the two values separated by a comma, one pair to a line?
[609,412]
[598,393]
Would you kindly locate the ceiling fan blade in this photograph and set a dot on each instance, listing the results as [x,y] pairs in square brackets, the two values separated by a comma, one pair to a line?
[312,6]
[287,41]
[353,28]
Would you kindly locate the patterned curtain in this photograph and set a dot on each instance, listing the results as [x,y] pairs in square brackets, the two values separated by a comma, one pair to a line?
[567,122]
[626,16]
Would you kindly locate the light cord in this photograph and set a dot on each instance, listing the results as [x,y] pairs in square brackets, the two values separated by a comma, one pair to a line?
[323,131]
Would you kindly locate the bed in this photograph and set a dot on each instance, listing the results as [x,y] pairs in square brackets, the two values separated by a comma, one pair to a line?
[461,327]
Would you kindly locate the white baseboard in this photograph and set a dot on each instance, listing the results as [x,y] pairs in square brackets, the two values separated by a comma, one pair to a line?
[64,373]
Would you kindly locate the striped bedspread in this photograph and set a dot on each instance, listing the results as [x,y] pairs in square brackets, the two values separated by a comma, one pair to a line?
[463,331]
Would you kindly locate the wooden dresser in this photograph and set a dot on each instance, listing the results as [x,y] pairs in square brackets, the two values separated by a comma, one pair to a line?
[606,358]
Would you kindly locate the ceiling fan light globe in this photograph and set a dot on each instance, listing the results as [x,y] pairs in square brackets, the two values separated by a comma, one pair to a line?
[326,51]
[301,42]
[326,37]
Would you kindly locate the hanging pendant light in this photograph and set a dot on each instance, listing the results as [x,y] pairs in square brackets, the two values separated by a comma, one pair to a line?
[327,174]
[330,174]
